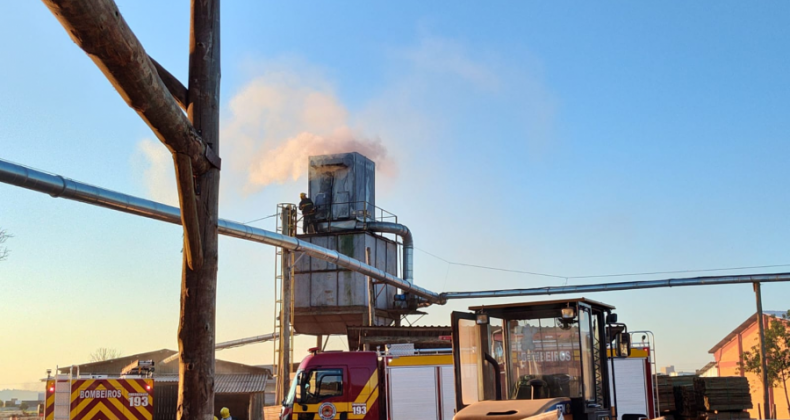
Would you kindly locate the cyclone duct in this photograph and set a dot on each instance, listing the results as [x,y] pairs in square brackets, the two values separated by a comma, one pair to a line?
[408,244]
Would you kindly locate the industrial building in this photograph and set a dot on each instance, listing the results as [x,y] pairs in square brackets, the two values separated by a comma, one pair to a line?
[729,361]
[237,386]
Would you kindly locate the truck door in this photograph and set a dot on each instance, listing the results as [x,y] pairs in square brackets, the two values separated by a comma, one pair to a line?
[323,394]
[467,359]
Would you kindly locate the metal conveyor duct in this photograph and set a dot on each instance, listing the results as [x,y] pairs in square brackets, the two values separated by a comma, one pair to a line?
[60,187]
[627,285]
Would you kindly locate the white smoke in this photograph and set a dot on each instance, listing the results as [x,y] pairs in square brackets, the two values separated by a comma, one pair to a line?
[269,129]
[279,119]
[288,160]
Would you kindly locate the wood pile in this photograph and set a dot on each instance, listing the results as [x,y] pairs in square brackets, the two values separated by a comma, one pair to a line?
[728,415]
[688,401]
[692,397]
[666,392]
[729,393]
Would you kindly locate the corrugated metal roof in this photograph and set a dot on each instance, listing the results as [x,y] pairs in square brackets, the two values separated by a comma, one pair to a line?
[229,384]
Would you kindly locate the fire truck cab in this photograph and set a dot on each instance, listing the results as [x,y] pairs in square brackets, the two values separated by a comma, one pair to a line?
[515,361]
[334,385]
[365,385]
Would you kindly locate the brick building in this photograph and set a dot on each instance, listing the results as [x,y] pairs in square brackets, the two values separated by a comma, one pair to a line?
[728,354]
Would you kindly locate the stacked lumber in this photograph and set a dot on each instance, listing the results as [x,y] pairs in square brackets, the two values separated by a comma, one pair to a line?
[724,394]
[666,391]
[728,415]
[688,402]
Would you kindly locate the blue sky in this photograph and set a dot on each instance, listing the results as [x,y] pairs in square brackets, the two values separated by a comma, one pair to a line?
[570,139]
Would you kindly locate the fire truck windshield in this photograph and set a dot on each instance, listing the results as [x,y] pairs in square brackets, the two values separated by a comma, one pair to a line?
[295,388]
[313,386]
[545,358]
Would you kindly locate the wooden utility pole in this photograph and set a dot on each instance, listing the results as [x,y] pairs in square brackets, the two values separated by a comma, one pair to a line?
[196,333]
[160,99]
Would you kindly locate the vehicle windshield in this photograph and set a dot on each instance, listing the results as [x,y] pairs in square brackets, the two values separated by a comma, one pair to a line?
[313,386]
[295,388]
[545,359]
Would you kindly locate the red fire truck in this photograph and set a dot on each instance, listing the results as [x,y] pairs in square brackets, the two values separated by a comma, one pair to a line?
[364,385]
[101,397]
[545,359]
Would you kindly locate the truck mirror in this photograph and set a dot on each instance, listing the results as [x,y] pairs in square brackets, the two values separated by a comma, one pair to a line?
[611,318]
[623,344]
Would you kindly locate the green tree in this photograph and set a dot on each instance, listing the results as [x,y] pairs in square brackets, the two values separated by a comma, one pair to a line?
[777,354]
[23,406]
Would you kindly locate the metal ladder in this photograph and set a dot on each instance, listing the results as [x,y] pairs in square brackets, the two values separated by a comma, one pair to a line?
[288,228]
[651,346]
[62,406]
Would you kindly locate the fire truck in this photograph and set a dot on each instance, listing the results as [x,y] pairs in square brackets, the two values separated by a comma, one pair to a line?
[513,361]
[129,396]
[370,386]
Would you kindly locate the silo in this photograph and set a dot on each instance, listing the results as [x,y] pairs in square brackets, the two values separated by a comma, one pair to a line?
[327,298]
[343,188]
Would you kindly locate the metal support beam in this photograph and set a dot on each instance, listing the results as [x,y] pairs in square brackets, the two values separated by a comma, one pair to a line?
[286,308]
[763,365]
[371,319]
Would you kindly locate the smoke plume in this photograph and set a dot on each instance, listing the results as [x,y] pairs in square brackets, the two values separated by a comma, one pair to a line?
[279,119]
[269,129]
[288,160]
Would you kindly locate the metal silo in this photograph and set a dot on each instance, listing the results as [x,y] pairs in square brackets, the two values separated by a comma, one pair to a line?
[327,298]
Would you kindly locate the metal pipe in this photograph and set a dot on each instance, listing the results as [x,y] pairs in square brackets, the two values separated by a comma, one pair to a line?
[408,244]
[232,343]
[612,287]
[60,187]
[244,341]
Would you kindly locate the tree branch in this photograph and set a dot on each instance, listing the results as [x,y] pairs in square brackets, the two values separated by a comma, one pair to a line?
[98,28]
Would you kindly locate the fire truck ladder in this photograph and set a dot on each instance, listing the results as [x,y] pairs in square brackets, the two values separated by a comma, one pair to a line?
[651,347]
[62,406]
[286,225]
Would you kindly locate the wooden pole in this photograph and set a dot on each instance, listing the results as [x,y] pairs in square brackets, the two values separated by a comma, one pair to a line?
[196,331]
[173,85]
[193,250]
[763,369]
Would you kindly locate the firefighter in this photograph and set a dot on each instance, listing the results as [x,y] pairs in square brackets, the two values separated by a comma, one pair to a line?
[225,413]
[308,213]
